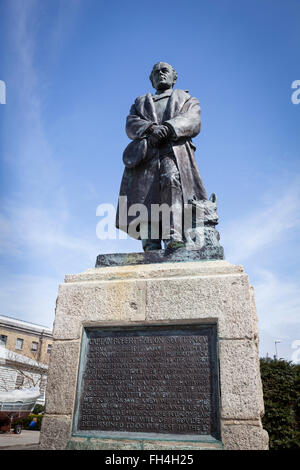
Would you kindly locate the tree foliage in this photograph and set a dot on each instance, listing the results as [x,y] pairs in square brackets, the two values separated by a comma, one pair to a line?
[281,380]
[38,409]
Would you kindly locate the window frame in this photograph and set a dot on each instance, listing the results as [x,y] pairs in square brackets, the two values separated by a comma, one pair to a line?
[21,342]
[36,346]
[3,341]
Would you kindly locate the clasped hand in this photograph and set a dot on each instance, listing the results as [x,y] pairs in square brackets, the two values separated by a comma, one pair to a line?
[158,134]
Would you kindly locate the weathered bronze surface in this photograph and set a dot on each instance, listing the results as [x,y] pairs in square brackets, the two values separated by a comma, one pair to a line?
[150,380]
[158,256]
[162,196]
[160,167]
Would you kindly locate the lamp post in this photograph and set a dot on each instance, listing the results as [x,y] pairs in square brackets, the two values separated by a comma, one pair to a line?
[276,342]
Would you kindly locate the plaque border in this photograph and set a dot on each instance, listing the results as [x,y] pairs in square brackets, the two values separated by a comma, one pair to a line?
[151,327]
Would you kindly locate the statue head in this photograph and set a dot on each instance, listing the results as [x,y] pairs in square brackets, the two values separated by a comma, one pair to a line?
[163,76]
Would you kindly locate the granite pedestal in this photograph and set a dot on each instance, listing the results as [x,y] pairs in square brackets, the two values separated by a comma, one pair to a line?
[212,298]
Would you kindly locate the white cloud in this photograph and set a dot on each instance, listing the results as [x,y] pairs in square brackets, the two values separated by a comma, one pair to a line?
[243,238]
[36,223]
[255,241]
[278,301]
[278,309]
[30,298]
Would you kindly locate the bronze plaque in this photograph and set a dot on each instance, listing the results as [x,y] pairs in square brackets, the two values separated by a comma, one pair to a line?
[149,380]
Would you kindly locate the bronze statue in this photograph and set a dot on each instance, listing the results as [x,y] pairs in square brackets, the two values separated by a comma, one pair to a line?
[159,162]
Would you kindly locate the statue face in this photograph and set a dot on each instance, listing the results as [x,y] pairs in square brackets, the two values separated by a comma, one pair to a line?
[163,76]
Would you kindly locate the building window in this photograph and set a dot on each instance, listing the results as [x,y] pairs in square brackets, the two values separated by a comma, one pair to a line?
[3,340]
[49,348]
[34,346]
[19,343]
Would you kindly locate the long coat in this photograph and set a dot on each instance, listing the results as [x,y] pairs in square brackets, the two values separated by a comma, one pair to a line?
[141,183]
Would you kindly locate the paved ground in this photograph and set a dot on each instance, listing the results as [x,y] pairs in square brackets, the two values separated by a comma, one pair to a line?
[26,440]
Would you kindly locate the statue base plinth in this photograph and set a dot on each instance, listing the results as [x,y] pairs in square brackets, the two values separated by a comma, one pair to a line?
[171,298]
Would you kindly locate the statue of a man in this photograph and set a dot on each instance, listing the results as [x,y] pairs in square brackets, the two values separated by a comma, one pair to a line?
[159,162]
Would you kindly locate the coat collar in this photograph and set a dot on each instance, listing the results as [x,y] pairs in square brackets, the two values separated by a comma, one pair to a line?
[146,107]
[167,94]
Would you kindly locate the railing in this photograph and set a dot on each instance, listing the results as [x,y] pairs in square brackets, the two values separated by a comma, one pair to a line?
[17,406]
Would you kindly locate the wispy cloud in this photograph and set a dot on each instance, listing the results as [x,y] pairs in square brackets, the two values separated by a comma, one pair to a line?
[254,240]
[29,154]
[36,207]
[44,235]
[28,297]
[265,226]
[278,308]
[36,223]
[278,299]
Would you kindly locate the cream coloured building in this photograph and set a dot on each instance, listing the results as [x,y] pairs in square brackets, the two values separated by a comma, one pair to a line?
[24,355]
[28,339]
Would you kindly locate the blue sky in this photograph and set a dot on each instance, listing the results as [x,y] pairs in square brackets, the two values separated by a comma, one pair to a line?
[73,68]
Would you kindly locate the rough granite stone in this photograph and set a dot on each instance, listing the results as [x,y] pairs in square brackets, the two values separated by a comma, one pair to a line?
[225,298]
[185,292]
[55,432]
[61,383]
[240,381]
[97,301]
[254,315]
[244,437]
[214,290]
[154,271]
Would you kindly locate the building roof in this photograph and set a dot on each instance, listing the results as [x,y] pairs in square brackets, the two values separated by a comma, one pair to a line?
[7,355]
[14,323]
